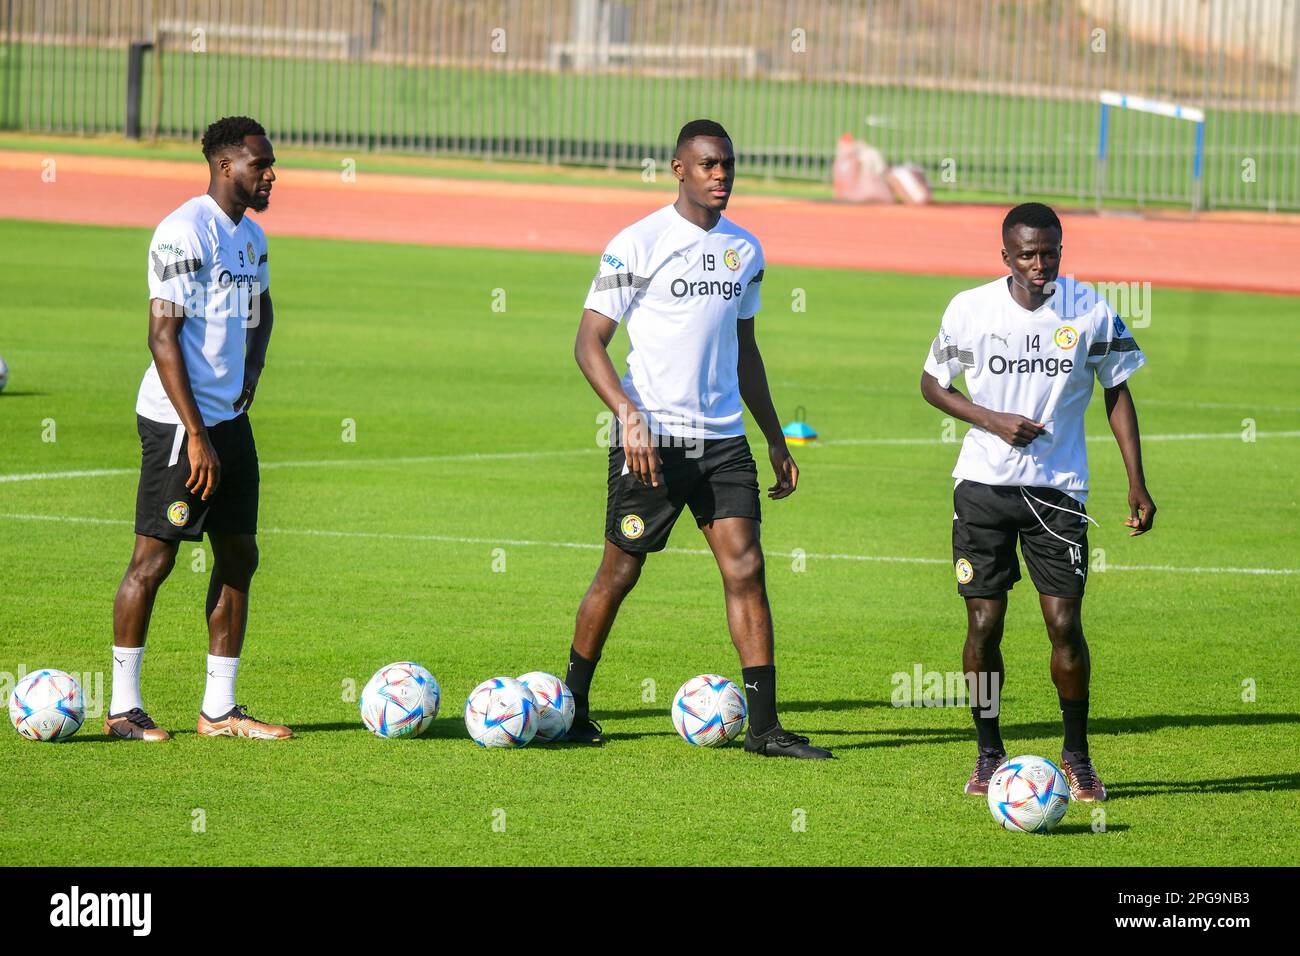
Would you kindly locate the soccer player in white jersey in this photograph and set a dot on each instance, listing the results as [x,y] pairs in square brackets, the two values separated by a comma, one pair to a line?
[685,281]
[1029,345]
[209,324]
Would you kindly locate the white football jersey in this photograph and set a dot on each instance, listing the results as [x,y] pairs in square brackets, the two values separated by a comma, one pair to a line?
[680,290]
[216,269]
[1038,364]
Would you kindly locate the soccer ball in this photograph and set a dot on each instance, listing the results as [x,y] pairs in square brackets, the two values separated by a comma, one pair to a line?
[47,705]
[709,711]
[1028,794]
[554,705]
[401,700]
[4,374]
[501,712]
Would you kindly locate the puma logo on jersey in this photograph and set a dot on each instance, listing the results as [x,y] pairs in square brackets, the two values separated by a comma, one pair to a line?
[1000,338]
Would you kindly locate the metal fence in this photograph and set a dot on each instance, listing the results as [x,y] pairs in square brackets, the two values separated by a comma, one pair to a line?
[989,96]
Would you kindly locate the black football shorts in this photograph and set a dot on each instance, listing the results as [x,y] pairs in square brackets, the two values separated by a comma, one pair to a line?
[716,478]
[165,508]
[1052,529]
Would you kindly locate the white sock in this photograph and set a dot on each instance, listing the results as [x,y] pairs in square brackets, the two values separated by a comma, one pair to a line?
[126,679]
[219,697]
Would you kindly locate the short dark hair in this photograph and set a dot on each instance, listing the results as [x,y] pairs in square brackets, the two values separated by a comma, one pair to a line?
[700,127]
[1035,215]
[229,131]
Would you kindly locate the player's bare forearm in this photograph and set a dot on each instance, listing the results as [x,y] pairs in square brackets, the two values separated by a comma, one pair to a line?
[256,339]
[591,350]
[1122,415]
[754,390]
[1011,428]
[165,319]
[952,402]
[259,334]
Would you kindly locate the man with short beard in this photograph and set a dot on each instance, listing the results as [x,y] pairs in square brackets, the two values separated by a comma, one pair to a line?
[209,324]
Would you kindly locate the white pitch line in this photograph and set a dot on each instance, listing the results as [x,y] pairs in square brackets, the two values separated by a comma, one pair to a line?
[1204,436]
[563,453]
[1183,436]
[89,473]
[591,546]
[1242,406]
[324,463]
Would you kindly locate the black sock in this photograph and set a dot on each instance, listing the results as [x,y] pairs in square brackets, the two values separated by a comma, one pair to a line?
[986,729]
[760,697]
[581,671]
[1074,714]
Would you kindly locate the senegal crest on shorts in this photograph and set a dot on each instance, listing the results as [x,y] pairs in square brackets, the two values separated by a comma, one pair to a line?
[1066,337]
[178,513]
[632,526]
[965,573]
[731,258]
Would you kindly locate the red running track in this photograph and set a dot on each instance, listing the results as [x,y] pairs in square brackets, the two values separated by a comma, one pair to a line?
[1243,253]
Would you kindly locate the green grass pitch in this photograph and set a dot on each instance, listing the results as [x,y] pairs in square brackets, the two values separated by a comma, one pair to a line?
[367,558]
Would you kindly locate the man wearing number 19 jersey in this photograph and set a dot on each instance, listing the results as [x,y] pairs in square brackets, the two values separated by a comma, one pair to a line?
[1029,345]
[685,281]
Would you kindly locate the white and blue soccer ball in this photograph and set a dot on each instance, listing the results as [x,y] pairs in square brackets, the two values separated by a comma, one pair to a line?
[4,374]
[709,711]
[1028,794]
[401,700]
[555,705]
[47,705]
[501,712]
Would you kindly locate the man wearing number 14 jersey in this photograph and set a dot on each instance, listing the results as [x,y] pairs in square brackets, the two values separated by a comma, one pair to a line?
[1029,345]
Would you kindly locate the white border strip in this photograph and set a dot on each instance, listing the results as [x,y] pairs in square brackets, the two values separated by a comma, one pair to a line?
[592,546]
[553,453]
[1159,107]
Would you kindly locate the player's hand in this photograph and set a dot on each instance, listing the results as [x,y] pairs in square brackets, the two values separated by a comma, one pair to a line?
[1015,430]
[640,451]
[245,400]
[205,466]
[787,472]
[1141,511]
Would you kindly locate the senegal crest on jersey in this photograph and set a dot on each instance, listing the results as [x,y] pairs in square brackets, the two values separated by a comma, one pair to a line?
[731,258]
[1066,337]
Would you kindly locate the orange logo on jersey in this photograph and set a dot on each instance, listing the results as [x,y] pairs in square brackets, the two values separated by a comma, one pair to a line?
[178,513]
[1066,337]
[731,258]
[632,526]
